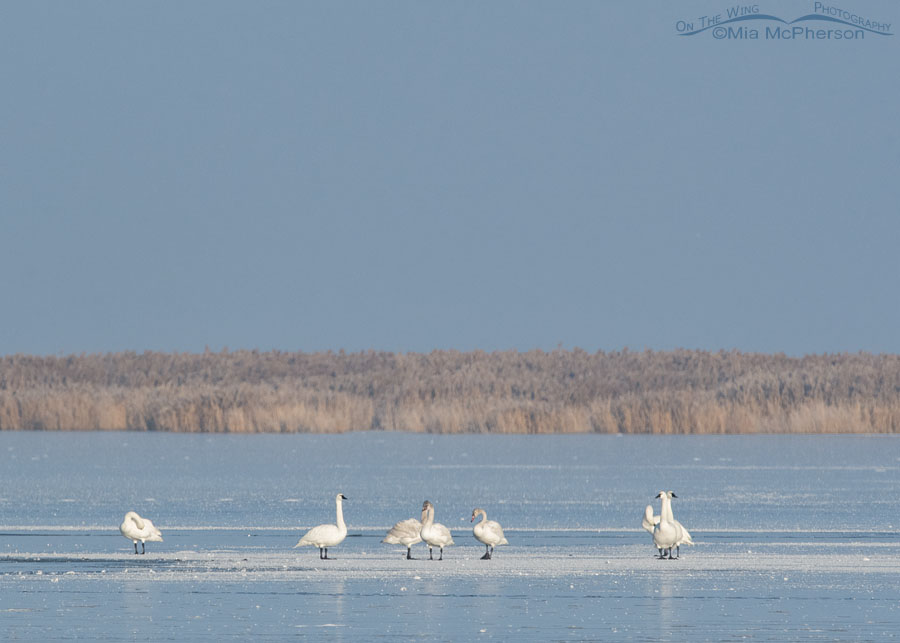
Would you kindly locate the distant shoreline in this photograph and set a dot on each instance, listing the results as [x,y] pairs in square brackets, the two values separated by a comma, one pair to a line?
[451,392]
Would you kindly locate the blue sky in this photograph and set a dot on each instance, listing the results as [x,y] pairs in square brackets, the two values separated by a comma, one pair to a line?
[410,176]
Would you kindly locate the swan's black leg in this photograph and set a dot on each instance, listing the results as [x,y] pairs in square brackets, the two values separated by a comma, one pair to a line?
[430,553]
[326,554]
[135,547]
[408,554]
[442,554]
[143,549]
[661,555]
[487,553]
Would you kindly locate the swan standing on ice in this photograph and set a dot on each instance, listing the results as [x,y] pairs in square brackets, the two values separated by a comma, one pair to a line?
[667,532]
[135,528]
[406,532]
[325,536]
[685,534]
[488,532]
[434,533]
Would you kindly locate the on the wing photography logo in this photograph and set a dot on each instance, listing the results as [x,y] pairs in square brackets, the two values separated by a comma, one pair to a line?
[747,22]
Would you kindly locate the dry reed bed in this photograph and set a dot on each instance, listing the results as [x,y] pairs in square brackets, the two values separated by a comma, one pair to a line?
[561,391]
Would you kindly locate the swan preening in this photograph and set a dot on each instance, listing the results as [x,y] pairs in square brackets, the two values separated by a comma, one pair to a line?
[650,521]
[325,536]
[488,532]
[135,528]
[667,532]
[433,533]
[406,532]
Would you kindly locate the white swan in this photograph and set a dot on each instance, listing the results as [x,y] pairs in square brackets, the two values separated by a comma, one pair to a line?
[667,532]
[433,533]
[135,528]
[488,532]
[649,521]
[685,534]
[406,532]
[325,536]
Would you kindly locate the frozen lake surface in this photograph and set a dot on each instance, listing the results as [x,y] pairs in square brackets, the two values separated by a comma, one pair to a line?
[796,537]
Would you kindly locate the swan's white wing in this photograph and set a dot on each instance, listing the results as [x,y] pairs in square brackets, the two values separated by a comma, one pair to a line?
[137,528]
[665,534]
[405,532]
[445,534]
[493,533]
[437,535]
[685,536]
[322,536]
[152,533]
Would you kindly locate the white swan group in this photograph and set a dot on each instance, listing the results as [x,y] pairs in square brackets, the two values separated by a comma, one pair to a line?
[325,536]
[667,532]
[135,528]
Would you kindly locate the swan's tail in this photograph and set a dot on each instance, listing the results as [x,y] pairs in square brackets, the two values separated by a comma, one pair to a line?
[504,541]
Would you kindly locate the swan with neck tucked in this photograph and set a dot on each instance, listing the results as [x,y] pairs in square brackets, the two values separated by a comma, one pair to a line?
[666,533]
[325,536]
[434,533]
[135,528]
[488,532]
[406,532]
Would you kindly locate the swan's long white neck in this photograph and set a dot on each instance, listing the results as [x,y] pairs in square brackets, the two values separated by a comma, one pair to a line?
[136,519]
[429,517]
[665,513]
[483,516]
[340,514]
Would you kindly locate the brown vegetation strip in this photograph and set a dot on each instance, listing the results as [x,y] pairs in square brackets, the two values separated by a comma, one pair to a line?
[452,392]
